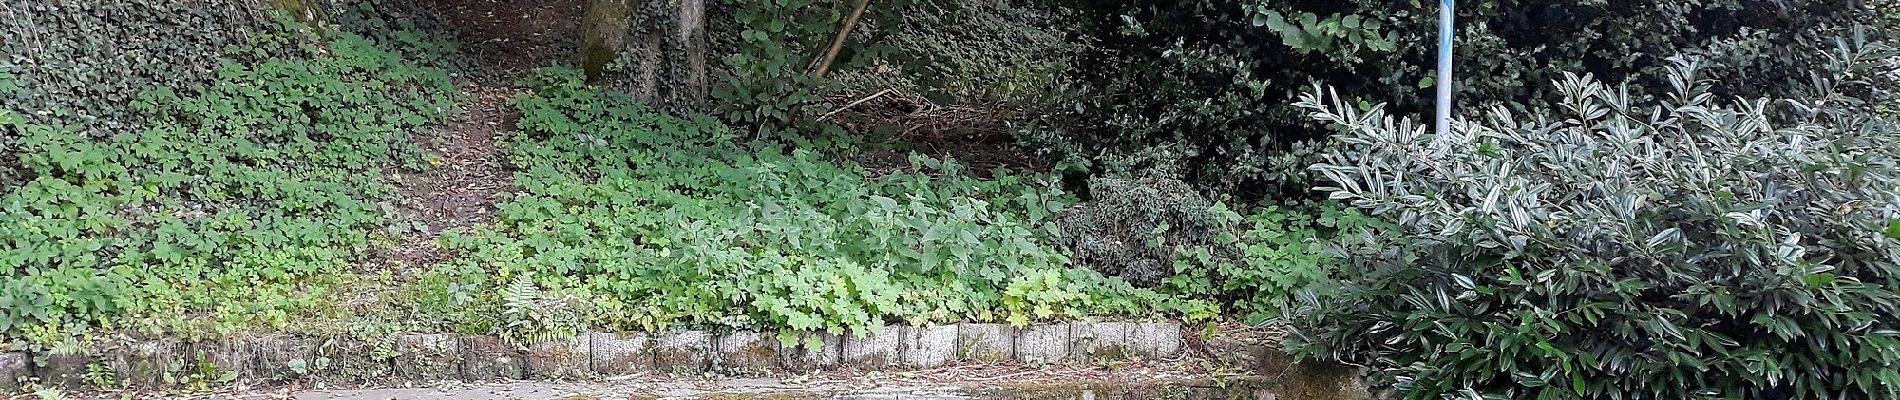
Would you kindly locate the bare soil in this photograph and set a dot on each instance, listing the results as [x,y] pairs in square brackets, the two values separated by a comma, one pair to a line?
[513,36]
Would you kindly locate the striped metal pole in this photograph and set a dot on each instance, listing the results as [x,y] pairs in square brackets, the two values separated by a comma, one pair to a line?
[1444,67]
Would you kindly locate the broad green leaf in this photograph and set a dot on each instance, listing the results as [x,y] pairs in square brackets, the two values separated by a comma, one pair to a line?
[1276,22]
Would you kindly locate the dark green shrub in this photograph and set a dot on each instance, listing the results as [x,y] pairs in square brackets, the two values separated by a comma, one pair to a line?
[1134,225]
[1202,88]
[408,27]
[1273,252]
[1159,232]
[70,58]
[768,50]
[1687,248]
[989,52]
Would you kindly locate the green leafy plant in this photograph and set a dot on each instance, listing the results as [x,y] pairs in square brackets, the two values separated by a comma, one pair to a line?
[1281,251]
[1161,233]
[1309,33]
[1690,247]
[1039,295]
[768,79]
[307,367]
[197,375]
[1135,227]
[100,375]
[49,394]
[530,315]
[657,221]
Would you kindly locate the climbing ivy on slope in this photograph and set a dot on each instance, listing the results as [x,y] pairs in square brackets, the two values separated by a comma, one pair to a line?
[214,211]
[83,63]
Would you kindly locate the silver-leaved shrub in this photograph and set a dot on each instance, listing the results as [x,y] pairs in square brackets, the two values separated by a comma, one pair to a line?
[1693,246]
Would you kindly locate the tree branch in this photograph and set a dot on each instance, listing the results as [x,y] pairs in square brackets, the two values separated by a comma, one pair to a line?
[837,43]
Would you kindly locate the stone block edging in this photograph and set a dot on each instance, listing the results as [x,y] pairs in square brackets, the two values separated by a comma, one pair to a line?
[434,357]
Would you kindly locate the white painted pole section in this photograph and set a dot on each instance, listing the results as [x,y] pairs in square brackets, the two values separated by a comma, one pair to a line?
[1444,67]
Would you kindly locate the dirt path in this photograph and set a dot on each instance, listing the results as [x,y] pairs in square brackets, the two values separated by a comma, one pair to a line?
[468,176]
[469,172]
[513,36]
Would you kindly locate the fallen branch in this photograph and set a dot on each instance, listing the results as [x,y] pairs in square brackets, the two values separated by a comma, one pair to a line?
[854,104]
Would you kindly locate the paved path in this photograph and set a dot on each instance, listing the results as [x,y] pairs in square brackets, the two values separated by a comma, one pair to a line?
[1248,388]
[745,388]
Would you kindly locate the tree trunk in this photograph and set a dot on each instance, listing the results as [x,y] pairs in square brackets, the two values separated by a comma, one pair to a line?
[692,87]
[603,33]
[668,52]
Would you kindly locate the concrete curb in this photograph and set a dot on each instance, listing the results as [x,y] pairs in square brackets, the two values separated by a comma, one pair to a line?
[14,367]
[616,354]
[1043,344]
[682,352]
[432,357]
[488,357]
[986,342]
[569,358]
[812,351]
[429,357]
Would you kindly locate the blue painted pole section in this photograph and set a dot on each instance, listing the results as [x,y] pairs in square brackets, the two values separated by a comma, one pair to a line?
[1444,67]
